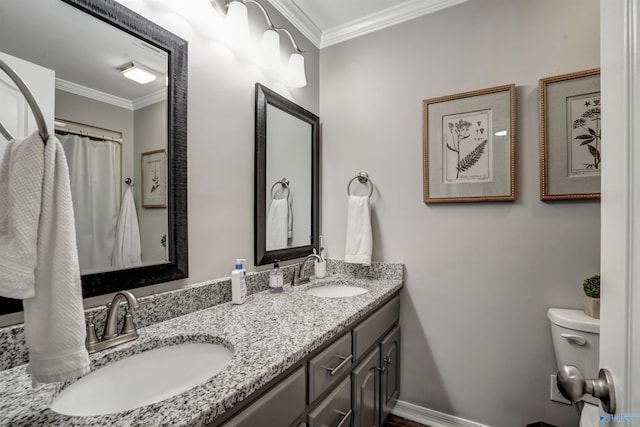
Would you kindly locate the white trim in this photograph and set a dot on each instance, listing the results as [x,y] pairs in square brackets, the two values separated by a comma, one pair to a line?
[430,417]
[299,19]
[93,94]
[632,397]
[383,19]
[376,21]
[149,99]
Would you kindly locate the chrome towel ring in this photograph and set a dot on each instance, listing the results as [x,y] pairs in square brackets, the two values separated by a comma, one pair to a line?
[363,178]
[285,184]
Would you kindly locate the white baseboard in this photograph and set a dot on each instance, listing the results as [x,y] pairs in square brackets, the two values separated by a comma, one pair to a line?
[430,417]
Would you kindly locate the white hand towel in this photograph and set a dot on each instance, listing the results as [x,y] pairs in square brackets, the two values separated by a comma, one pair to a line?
[277,224]
[20,200]
[126,251]
[359,235]
[54,317]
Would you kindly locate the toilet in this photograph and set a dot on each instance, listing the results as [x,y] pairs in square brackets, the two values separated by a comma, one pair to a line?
[576,341]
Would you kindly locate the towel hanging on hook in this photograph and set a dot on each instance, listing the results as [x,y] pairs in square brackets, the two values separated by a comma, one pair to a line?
[24,89]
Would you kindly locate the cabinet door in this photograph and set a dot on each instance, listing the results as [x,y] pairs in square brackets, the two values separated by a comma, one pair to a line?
[390,372]
[366,391]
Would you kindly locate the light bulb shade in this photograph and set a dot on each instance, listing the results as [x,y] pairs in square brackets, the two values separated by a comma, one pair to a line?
[295,71]
[270,50]
[237,22]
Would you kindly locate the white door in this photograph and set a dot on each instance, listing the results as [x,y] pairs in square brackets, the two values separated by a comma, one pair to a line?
[15,114]
[620,220]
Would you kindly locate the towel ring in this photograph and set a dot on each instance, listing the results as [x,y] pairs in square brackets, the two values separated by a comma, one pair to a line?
[285,184]
[363,178]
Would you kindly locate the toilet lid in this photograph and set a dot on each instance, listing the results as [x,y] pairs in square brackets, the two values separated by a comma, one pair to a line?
[590,416]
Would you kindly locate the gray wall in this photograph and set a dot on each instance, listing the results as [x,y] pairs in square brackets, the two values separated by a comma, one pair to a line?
[479,276]
[150,130]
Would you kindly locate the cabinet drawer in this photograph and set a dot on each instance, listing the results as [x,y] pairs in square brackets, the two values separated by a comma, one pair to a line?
[280,406]
[327,366]
[369,332]
[335,409]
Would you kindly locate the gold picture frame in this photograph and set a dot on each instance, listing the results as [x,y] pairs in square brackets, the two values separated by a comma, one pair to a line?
[570,136]
[469,146]
[154,178]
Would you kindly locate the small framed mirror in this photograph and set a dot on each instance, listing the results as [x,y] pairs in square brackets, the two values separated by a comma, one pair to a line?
[287,219]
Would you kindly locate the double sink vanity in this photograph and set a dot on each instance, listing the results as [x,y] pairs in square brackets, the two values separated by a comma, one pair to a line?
[312,355]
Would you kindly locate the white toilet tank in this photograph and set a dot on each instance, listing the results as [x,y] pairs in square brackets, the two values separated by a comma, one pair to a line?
[576,341]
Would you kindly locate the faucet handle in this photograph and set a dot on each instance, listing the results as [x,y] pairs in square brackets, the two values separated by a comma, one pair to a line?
[92,338]
[129,326]
[295,277]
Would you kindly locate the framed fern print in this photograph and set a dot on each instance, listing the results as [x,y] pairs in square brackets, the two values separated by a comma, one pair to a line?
[469,146]
[154,179]
[570,136]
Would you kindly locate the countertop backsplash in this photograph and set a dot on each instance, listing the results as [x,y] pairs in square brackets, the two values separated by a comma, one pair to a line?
[168,305]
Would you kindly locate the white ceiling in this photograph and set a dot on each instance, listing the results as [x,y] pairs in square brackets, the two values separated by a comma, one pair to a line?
[328,22]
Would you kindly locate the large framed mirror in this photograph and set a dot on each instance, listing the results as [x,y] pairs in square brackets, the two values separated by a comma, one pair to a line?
[86,45]
[286,218]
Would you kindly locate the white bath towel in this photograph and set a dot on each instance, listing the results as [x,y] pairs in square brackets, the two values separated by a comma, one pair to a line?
[126,250]
[53,316]
[359,243]
[20,199]
[277,224]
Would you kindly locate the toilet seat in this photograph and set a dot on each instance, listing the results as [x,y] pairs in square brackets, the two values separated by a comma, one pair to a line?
[590,416]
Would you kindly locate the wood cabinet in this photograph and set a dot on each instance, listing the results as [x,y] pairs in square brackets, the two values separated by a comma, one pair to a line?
[351,381]
[389,372]
[366,391]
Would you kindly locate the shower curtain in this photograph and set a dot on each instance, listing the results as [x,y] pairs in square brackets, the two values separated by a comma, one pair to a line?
[94,172]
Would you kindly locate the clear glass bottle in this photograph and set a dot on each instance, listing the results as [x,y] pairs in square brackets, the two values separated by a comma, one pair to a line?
[276,278]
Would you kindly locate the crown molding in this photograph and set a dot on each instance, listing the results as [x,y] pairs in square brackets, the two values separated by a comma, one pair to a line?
[97,95]
[299,19]
[383,19]
[149,99]
[107,98]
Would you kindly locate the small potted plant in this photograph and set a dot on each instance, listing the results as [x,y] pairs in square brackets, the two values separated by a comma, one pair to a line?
[591,302]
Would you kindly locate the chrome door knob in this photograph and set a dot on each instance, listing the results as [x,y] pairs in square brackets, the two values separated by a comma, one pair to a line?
[573,385]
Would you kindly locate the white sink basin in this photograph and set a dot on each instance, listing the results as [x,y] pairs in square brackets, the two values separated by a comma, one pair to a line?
[142,379]
[336,291]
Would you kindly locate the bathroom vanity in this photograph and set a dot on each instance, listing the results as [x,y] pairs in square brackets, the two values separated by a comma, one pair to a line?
[298,359]
[352,378]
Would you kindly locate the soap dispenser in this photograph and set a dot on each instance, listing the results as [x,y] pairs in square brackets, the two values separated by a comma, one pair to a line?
[239,283]
[276,278]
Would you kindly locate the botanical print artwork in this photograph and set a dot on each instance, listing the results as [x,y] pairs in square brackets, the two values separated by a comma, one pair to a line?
[155,176]
[467,147]
[585,134]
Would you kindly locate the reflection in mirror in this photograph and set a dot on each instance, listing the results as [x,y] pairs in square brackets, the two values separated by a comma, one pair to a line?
[105,123]
[286,191]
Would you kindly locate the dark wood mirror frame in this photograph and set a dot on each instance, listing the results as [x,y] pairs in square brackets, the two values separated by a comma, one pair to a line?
[126,20]
[265,96]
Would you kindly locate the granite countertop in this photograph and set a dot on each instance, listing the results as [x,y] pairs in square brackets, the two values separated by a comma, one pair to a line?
[268,334]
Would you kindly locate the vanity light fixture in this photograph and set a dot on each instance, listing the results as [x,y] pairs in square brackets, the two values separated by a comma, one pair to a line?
[501,133]
[237,22]
[138,73]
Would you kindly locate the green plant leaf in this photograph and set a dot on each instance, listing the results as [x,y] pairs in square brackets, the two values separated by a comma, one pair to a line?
[472,158]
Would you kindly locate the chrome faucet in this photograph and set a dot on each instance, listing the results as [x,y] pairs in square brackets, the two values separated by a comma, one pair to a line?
[298,278]
[111,337]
